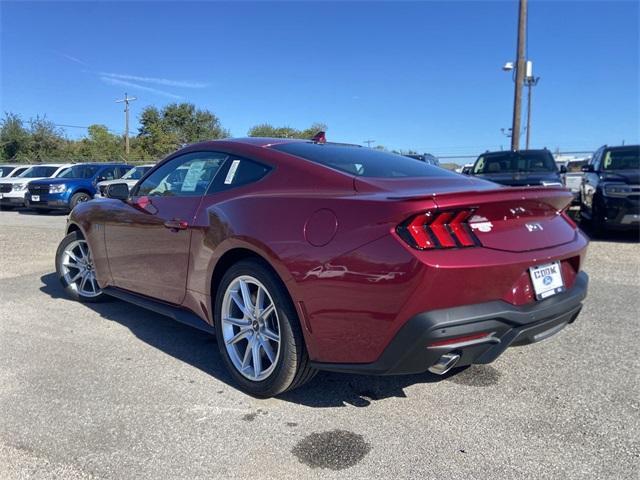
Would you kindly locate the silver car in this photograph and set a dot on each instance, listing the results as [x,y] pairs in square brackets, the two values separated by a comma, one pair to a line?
[130,178]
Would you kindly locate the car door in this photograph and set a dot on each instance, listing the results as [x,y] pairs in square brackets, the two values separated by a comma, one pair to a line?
[148,237]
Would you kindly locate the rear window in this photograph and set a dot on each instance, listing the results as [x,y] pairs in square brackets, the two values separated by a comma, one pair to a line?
[622,159]
[576,167]
[511,162]
[361,161]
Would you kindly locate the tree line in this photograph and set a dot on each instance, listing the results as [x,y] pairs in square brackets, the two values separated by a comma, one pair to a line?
[162,131]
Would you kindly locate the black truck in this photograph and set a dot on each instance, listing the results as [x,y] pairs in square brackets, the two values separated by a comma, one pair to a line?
[610,190]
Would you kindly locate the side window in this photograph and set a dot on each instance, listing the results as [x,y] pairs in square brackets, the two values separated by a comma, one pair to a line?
[237,172]
[184,176]
[122,169]
[595,160]
[110,173]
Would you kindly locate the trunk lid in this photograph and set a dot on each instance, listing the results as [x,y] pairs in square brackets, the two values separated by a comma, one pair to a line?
[516,219]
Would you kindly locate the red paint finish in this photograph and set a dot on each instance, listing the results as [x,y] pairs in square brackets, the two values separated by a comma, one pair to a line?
[332,239]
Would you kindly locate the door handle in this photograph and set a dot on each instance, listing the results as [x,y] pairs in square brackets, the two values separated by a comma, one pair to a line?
[176,225]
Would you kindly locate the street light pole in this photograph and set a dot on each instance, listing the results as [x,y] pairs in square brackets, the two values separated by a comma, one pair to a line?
[126,101]
[520,64]
[530,82]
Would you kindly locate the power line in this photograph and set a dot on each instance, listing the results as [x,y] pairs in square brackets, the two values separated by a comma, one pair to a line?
[368,142]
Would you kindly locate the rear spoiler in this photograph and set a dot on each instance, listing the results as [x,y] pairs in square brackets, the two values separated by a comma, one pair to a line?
[559,197]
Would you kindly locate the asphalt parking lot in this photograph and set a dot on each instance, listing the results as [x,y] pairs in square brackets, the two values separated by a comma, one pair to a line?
[114,391]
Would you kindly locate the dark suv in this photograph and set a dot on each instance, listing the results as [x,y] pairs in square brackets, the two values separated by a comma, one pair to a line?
[521,168]
[610,190]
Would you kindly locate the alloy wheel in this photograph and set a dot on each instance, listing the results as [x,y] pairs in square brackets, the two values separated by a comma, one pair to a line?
[78,270]
[250,328]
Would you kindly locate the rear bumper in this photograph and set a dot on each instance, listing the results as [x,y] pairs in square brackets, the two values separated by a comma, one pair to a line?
[411,350]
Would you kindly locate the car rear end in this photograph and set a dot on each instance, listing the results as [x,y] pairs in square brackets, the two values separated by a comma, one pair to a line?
[450,270]
[480,271]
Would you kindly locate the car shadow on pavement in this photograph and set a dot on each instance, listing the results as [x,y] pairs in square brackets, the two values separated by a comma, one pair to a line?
[199,349]
[53,213]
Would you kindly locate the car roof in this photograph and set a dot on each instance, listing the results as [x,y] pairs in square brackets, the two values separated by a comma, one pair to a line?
[622,147]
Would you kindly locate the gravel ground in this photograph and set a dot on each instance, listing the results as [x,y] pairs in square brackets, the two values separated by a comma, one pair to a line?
[114,391]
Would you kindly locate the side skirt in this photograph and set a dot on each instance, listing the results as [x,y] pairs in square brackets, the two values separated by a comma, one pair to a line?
[179,314]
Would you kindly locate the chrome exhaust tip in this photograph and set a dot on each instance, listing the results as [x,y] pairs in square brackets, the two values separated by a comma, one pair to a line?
[445,363]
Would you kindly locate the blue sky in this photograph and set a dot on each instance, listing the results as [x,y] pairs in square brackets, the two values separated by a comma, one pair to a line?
[421,75]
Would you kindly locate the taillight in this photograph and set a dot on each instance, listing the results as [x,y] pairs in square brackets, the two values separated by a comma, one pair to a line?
[448,229]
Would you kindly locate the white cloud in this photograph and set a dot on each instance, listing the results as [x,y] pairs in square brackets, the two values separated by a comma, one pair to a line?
[135,86]
[158,81]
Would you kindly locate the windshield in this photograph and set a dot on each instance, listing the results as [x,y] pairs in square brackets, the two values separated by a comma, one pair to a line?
[135,173]
[576,166]
[80,171]
[39,171]
[622,159]
[515,162]
[361,161]
[5,170]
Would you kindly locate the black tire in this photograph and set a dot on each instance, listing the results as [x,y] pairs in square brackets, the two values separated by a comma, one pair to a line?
[79,197]
[69,288]
[292,367]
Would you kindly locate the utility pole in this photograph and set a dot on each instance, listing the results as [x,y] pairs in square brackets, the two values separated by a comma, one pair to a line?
[368,142]
[520,63]
[530,81]
[126,101]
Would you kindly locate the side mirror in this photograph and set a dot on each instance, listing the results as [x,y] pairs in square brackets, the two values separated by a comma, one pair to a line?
[563,169]
[118,191]
[587,168]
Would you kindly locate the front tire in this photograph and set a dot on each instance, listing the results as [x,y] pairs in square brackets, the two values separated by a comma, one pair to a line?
[258,331]
[75,270]
[79,197]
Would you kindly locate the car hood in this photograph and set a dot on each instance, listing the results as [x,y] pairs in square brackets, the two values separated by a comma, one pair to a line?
[514,179]
[58,181]
[20,179]
[632,177]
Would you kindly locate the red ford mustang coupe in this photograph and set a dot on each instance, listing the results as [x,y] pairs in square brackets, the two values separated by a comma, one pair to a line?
[305,255]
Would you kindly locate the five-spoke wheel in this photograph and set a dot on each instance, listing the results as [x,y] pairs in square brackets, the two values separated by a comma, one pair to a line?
[259,334]
[75,269]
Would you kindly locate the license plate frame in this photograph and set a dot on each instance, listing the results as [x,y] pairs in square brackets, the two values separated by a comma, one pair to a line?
[547,280]
[35,198]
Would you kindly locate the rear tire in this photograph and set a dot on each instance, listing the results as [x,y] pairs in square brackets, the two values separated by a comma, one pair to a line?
[255,327]
[74,269]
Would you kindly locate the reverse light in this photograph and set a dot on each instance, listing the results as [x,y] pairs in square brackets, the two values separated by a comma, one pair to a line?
[59,188]
[432,230]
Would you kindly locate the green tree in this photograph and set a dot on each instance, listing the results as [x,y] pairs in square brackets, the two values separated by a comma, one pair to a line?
[268,130]
[99,145]
[46,142]
[14,137]
[163,131]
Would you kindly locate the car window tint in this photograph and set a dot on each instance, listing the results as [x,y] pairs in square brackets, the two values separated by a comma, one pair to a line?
[237,172]
[186,175]
[510,162]
[361,161]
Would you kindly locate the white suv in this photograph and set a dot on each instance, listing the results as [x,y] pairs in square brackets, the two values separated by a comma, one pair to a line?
[14,189]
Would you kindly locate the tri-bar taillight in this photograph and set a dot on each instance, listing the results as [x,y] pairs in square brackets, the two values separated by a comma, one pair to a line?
[439,229]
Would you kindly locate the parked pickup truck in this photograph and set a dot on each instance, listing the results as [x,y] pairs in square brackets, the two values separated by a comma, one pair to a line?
[75,185]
